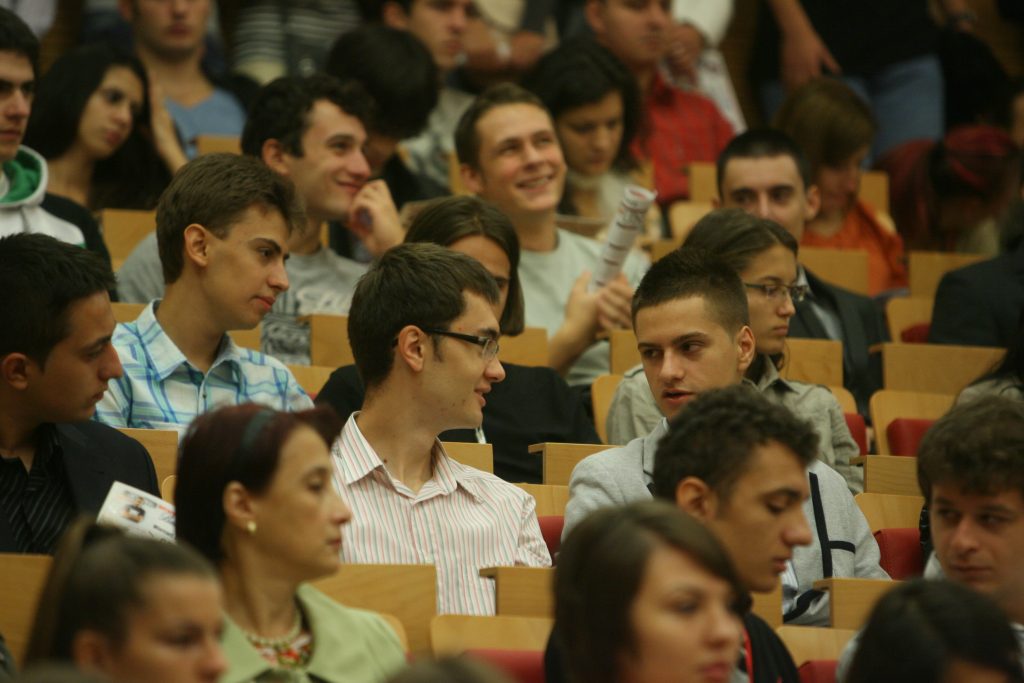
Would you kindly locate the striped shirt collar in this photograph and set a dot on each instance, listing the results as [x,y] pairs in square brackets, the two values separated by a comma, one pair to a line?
[162,353]
[358,460]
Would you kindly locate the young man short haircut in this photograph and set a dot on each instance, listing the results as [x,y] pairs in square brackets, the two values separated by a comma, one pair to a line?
[738,464]
[55,361]
[222,228]
[690,317]
[169,39]
[509,155]
[424,332]
[970,466]
[25,205]
[764,172]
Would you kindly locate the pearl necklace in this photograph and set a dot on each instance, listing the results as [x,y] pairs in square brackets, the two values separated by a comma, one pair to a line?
[283,642]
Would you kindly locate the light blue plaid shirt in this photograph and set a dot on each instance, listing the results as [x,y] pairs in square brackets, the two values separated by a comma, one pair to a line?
[160,389]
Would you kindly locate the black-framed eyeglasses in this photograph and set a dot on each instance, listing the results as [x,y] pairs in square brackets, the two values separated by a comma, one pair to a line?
[795,292]
[488,345]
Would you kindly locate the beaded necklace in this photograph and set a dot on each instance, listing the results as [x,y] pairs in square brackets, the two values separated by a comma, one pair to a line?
[293,650]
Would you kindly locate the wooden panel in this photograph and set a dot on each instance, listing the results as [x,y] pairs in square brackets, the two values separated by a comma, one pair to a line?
[874,189]
[907,311]
[529,348]
[328,340]
[623,352]
[453,634]
[935,368]
[661,248]
[926,268]
[703,181]
[126,313]
[123,229]
[890,474]
[768,606]
[887,405]
[818,361]
[561,458]
[806,643]
[551,498]
[162,446]
[396,625]
[890,510]
[312,378]
[478,455]
[682,216]
[852,599]
[847,268]
[208,144]
[602,391]
[522,591]
[407,591]
[247,339]
[167,487]
[24,576]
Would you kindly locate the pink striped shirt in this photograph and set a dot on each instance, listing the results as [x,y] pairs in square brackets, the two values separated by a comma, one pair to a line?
[461,520]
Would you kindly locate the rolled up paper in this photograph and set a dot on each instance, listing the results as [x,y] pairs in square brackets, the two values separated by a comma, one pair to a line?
[629,222]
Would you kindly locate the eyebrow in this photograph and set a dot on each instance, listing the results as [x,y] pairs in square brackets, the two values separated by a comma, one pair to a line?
[268,242]
[681,339]
[785,492]
[98,344]
[347,138]
[490,332]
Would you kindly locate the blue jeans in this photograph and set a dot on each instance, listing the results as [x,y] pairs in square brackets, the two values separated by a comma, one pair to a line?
[906,97]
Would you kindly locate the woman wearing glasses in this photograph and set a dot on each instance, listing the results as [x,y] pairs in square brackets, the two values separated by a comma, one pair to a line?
[532,404]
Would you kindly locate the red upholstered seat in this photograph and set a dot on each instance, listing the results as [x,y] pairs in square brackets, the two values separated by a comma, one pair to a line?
[905,434]
[551,530]
[916,334]
[523,666]
[818,671]
[859,431]
[901,554]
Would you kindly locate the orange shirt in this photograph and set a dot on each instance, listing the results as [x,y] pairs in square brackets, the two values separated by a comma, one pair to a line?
[862,230]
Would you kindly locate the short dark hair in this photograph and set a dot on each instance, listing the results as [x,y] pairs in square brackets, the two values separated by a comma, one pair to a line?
[686,273]
[467,138]
[828,120]
[17,37]
[760,143]
[280,110]
[715,436]
[97,577]
[580,72]
[600,570]
[218,449]
[396,69]
[41,277]
[447,220]
[736,237]
[977,446]
[935,624]
[411,284]
[214,190]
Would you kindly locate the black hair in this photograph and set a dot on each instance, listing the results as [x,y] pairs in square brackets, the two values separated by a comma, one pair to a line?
[467,138]
[760,143]
[715,436]
[397,71]
[41,277]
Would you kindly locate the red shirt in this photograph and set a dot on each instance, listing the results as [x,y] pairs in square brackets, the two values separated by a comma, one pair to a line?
[679,127]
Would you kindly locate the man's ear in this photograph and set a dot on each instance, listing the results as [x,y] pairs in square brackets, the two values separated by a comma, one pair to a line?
[471,179]
[593,11]
[716,202]
[392,14]
[695,497]
[272,153]
[197,244]
[15,369]
[813,203]
[747,346]
[411,347]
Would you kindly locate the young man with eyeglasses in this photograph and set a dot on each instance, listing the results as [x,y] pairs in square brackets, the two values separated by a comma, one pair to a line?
[424,332]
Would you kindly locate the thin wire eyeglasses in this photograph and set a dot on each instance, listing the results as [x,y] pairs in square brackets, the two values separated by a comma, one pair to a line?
[796,292]
[488,345]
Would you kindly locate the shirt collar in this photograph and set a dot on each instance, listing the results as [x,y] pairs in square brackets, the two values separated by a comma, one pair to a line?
[359,460]
[770,377]
[164,356]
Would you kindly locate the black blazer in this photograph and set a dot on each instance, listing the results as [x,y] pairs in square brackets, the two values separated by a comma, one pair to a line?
[981,304]
[94,457]
[863,327]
